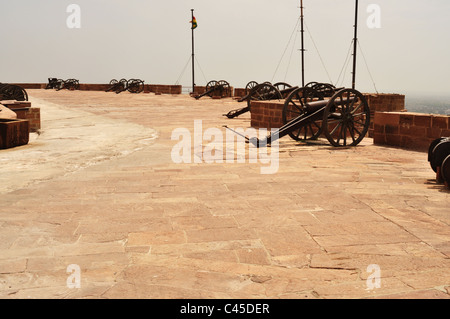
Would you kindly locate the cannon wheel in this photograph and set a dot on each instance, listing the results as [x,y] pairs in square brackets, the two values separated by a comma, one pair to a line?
[346,118]
[209,86]
[14,92]
[225,88]
[294,106]
[311,84]
[282,86]
[135,86]
[326,89]
[250,85]
[262,92]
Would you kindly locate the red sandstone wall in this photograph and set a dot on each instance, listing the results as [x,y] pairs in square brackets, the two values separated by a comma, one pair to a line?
[268,114]
[153,88]
[24,111]
[409,130]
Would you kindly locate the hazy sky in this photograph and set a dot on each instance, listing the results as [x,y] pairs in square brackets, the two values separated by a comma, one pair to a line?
[236,40]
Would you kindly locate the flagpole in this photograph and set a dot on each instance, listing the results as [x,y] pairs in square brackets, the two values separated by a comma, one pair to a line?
[355,44]
[303,49]
[193,54]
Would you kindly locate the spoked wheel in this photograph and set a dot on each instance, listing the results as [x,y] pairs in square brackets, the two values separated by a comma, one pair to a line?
[135,86]
[326,89]
[209,86]
[225,88]
[295,106]
[14,92]
[346,118]
[18,93]
[311,84]
[264,92]
[72,84]
[250,85]
[282,86]
[121,86]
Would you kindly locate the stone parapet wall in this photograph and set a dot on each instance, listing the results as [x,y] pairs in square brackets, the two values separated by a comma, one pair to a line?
[148,88]
[413,131]
[24,111]
[268,114]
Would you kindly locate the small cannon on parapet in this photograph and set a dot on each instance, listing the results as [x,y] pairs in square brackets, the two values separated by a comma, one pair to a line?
[344,118]
[261,92]
[132,86]
[12,92]
[54,83]
[216,88]
[58,84]
[70,84]
[439,158]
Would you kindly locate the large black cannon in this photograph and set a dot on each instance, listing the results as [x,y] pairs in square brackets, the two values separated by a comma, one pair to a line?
[344,119]
[439,158]
[13,92]
[216,88]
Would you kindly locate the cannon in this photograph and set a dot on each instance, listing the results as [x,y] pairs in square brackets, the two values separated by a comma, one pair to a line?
[54,83]
[59,84]
[117,86]
[216,88]
[261,92]
[13,92]
[344,119]
[131,85]
[69,84]
[135,86]
[439,158]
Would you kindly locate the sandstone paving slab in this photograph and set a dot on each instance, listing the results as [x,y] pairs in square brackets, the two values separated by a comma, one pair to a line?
[141,226]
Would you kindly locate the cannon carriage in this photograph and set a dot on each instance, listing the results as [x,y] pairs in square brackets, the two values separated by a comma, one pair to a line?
[344,118]
[216,88]
[131,85]
[59,84]
[13,92]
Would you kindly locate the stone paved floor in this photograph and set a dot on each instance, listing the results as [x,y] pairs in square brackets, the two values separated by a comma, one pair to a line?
[98,188]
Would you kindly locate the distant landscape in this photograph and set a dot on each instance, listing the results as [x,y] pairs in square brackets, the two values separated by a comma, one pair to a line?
[436,104]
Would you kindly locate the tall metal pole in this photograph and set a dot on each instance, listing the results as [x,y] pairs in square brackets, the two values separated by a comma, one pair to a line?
[193,54]
[355,45]
[303,48]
